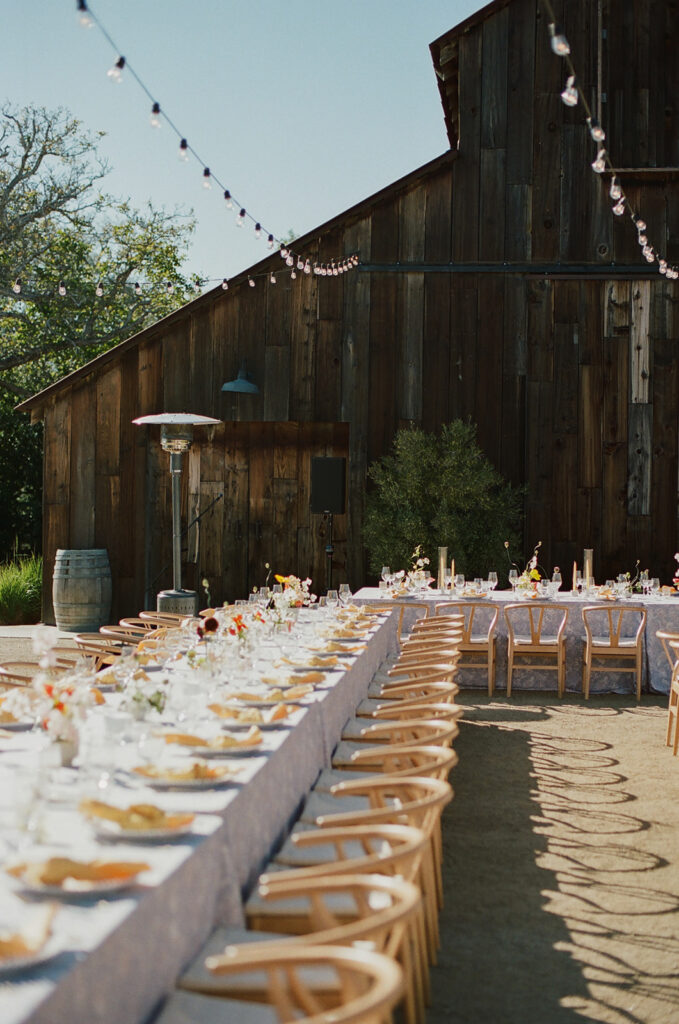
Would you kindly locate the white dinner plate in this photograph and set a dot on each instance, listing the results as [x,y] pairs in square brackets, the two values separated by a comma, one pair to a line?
[228,751]
[231,725]
[12,964]
[16,726]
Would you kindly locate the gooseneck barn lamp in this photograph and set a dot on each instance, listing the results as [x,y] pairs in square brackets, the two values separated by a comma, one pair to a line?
[243,384]
[176,437]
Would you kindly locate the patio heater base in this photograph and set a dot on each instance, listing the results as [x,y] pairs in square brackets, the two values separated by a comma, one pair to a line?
[181,602]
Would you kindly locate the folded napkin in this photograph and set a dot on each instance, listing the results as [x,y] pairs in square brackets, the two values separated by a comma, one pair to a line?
[137,817]
[32,937]
[58,870]
[276,694]
[254,715]
[308,677]
[198,771]
[252,738]
[317,662]
[344,648]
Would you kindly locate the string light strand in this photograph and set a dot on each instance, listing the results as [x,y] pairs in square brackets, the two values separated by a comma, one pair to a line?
[572,95]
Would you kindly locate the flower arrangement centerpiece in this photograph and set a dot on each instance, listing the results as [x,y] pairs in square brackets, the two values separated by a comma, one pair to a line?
[528,581]
[296,593]
[60,705]
[415,576]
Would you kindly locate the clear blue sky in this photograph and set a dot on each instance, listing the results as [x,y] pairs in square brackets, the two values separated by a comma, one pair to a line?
[301,108]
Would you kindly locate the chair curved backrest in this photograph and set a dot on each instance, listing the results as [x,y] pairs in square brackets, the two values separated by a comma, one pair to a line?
[479,619]
[402,759]
[125,634]
[431,731]
[357,986]
[24,672]
[531,619]
[384,849]
[413,691]
[668,639]
[163,618]
[402,709]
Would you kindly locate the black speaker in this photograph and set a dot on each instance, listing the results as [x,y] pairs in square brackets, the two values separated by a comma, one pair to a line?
[328,485]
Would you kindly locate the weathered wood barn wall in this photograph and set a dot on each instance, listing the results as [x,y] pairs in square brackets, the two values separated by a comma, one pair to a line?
[494,283]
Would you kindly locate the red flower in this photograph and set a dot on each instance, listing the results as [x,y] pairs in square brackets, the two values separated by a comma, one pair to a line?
[210,625]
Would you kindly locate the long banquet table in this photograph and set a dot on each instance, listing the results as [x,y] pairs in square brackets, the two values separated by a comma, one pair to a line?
[662,613]
[124,952]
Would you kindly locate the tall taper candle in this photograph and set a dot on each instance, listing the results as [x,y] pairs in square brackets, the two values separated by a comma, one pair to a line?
[443,564]
[575,577]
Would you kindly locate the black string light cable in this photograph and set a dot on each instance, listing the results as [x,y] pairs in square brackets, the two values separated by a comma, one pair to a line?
[293,260]
[572,95]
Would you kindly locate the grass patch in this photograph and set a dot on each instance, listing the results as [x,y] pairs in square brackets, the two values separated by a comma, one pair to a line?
[21,591]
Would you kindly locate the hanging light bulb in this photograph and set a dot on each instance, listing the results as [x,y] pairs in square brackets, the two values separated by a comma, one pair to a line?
[269,242]
[228,199]
[570,93]
[84,17]
[16,287]
[225,285]
[300,263]
[272,278]
[196,286]
[284,252]
[340,268]
[307,267]
[641,224]
[599,165]
[595,129]
[137,288]
[558,41]
[155,115]
[293,274]
[615,190]
[619,208]
[662,266]
[335,271]
[258,230]
[642,240]
[206,178]
[61,288]
[251,282]
[290,260]
[317,269]
[99,290]
[184,150]
[241,218]
[169,288]
[116,72]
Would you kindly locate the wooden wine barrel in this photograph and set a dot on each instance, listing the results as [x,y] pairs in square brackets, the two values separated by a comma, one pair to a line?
[81,589]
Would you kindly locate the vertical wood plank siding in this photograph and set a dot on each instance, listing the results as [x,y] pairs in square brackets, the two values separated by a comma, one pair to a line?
[574,383]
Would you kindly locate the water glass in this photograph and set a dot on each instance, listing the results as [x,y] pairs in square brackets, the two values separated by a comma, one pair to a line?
[344,593]
[513,579]
[332,599]
[459,582]
[492,580]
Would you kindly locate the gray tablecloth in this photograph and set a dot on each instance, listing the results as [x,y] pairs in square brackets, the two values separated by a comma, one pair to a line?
[662,613]
[125,952]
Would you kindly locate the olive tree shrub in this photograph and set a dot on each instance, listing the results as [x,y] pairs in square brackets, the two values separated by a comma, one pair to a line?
[440,490]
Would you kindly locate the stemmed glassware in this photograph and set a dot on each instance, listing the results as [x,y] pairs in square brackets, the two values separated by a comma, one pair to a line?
[344,593]
[386,574]
[514,579]
[492,580]
[332,600]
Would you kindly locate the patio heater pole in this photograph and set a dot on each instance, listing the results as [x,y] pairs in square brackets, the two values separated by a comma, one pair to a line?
[176,477]
[176,437]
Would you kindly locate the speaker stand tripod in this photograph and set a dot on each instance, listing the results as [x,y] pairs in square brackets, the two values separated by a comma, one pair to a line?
[329,551]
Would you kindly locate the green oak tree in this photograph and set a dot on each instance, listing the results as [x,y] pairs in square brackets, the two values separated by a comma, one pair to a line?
[80,271]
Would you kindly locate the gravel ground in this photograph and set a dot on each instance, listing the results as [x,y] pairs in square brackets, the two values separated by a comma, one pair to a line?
[561,862]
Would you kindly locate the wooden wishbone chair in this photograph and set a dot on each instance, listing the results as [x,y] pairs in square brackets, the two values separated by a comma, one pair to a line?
[24,672]
[606,637]
[171,619]
[103,651]
[339,910]
[367,986]
[367,849]
[536,630]
[124,634]
[393,759]
[667,638]
[411,800]
[479,621]
[673,702]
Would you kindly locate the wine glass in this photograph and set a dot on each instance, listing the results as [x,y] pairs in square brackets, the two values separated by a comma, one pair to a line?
[492,580]
[263,597]
[514,579]
[459,582]
[556,580]
[655,586]
[386,574]
[332,599]
[344,593]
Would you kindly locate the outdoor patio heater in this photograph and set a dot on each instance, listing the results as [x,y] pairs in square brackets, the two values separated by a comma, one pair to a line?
[176,437]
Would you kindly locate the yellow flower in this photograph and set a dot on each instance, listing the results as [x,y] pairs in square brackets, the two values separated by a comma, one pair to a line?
[534,574]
